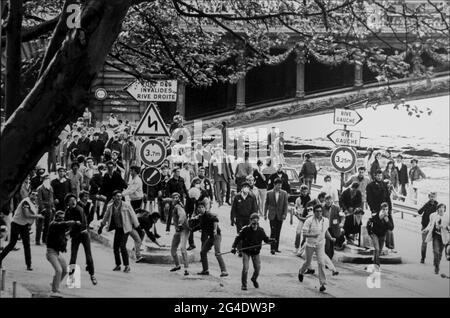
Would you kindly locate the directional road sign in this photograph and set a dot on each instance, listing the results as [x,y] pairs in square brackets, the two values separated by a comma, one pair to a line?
[155,91]
[342,137]
[151,124]
[153,152]
[347,117]
[343,159]
[151,176]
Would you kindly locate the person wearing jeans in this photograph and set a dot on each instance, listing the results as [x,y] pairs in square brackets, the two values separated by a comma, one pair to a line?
[315,230]
[56,245]
[211,236]
[24,216]
[437,232]
[79,234]
[181,234]
[251,237]
[120,217]
[377,227]
[425,211]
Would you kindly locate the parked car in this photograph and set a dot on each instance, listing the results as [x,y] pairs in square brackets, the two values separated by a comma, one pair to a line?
[294,183]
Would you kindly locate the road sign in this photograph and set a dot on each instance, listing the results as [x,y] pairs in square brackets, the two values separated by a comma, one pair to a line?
[153,152]
[347,117]
[101,93]
[151,124]
[342,137]
[151,176]
[343,159]
[155,91]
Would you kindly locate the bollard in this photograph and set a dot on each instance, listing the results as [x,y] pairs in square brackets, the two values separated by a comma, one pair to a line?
[2,286]
[14,295]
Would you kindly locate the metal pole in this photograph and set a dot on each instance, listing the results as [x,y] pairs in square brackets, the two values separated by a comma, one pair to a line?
[14,290]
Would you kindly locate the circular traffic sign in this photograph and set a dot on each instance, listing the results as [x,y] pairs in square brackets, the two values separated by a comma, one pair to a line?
[151,176]
[153,152]
[343,159]
[101,93]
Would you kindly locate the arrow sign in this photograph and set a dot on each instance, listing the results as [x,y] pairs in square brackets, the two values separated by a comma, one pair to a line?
[151,124]
[343,137]
[347,117]
[157,91]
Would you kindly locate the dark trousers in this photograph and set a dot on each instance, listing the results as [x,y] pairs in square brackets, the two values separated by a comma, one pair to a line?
[191,239]
[83,239]
[240,223]
[329,248]
[136,204]
[256,266]
[24,232]
[438,247]
[275,230]
[423,247]
[42,226]
[120,247]
[403,191]
[227,196]
[207,243]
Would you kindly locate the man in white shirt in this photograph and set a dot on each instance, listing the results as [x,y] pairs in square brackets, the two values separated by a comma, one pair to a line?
[315,230]
[186,174]
[134,190]
[330,189]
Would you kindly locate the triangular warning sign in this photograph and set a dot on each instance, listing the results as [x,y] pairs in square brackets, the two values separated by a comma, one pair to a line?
[151,124]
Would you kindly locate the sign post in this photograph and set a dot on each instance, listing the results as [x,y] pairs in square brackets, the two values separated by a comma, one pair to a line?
[153,153]
[343,159]
[155,91]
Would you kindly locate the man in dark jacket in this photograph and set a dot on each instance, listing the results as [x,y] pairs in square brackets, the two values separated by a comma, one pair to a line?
[46,207]
[402,175]
[79,235]
[244,205]
[96,148]
[146,222]
[308,171]
[250,237]
[284,180]
[83,144]
[377,227]
[351,199]
[425,211]
[277,206]
[112,180]
[176,184]
[61,187]
[37,180]
[377,193]
[205,183]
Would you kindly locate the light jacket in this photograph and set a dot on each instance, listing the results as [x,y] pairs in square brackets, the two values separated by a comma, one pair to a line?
[19,215]
[45,198]
[129,218]
[134,189]
[445,230]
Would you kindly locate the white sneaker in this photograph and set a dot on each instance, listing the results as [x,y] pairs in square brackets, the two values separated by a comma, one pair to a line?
[56,294]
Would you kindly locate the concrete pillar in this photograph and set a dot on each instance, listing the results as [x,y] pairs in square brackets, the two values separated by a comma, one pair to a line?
[300,85]
[240,94]
[359,81]
[181,99]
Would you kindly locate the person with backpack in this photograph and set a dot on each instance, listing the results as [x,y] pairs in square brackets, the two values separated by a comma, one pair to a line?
[377,227]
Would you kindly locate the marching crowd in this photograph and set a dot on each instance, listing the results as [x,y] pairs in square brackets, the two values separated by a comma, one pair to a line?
[98,178]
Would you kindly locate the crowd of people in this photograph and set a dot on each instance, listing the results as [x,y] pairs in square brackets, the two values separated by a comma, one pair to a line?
[98,178]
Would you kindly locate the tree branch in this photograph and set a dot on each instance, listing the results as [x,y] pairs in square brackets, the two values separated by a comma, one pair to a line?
[35,32]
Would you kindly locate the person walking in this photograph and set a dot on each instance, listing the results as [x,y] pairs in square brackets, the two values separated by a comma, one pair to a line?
[181,234]
[222,173]
[330,189]
[425,211]
[56,245]
[76,178]
[250,238]
[403,181]
[280,174]
[375,166]
[351,199]
[415,176]
[261,185]
[308,171]
[24,216]
[391,174]
[437,232]
[377,227]
[243,169]
[61,187]
[128,155]
[96,148]
[79,234]
[112,181]
[377,193]
[121,218]
[362,180]
[301,214]
[46,207]
[134,189]
[316,232]
[211,236]
[244,205]
[336,220]
[277,206]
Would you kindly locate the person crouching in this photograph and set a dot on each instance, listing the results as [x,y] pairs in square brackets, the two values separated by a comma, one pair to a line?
[251,237]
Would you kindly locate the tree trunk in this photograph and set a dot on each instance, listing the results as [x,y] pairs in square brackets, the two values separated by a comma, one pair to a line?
[60,95]
[13,57]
